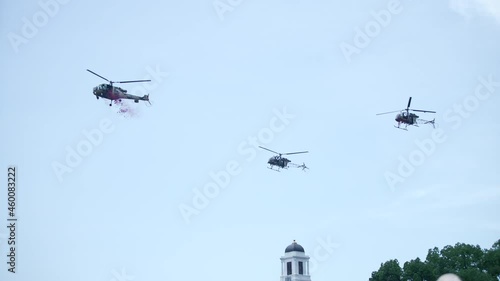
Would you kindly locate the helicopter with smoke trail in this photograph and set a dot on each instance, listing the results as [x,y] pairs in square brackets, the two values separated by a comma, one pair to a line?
[108,91]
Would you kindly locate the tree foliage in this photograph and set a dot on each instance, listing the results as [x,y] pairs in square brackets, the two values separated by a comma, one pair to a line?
[469,262]
[416,270]
[389,271]
[492,259]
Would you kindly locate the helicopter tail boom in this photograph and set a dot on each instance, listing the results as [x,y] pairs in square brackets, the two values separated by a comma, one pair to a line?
[432,122]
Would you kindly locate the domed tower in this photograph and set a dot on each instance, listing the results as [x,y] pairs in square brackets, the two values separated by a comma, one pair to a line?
[295,264]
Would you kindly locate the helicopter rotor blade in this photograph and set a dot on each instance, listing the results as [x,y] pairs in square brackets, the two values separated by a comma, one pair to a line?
[388,112]
[98,75]
[409,102]
[270,150]
[426,111]
[134,81]
[295,152]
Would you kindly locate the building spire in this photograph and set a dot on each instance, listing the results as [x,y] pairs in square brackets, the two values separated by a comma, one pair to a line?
[295,264]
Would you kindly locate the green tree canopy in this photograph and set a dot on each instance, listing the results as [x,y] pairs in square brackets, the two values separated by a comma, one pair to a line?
[416,270]
[469,262]
[389,271]
[492,260]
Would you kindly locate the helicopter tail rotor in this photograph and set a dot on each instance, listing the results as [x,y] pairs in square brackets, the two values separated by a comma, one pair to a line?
[304,167]
[433,123]
[146,98]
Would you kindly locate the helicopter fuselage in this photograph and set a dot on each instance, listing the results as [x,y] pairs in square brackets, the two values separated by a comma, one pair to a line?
[278,161]
[406,119]
[106,91]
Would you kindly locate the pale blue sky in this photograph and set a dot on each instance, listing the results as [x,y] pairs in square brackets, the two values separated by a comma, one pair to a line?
[119,207]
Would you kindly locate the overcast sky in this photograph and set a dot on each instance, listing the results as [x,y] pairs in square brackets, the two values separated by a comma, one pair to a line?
[180,191]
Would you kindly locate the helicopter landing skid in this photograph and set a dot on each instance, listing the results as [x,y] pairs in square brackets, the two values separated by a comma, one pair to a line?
[401,128]
[276,170]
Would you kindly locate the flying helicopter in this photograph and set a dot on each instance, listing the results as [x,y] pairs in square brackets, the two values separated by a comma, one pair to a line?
[108,91]
[407,118]
[282,162]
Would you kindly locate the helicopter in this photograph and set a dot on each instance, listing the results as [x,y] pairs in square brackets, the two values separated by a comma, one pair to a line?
[108,91]
[407,118]
[282,162]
